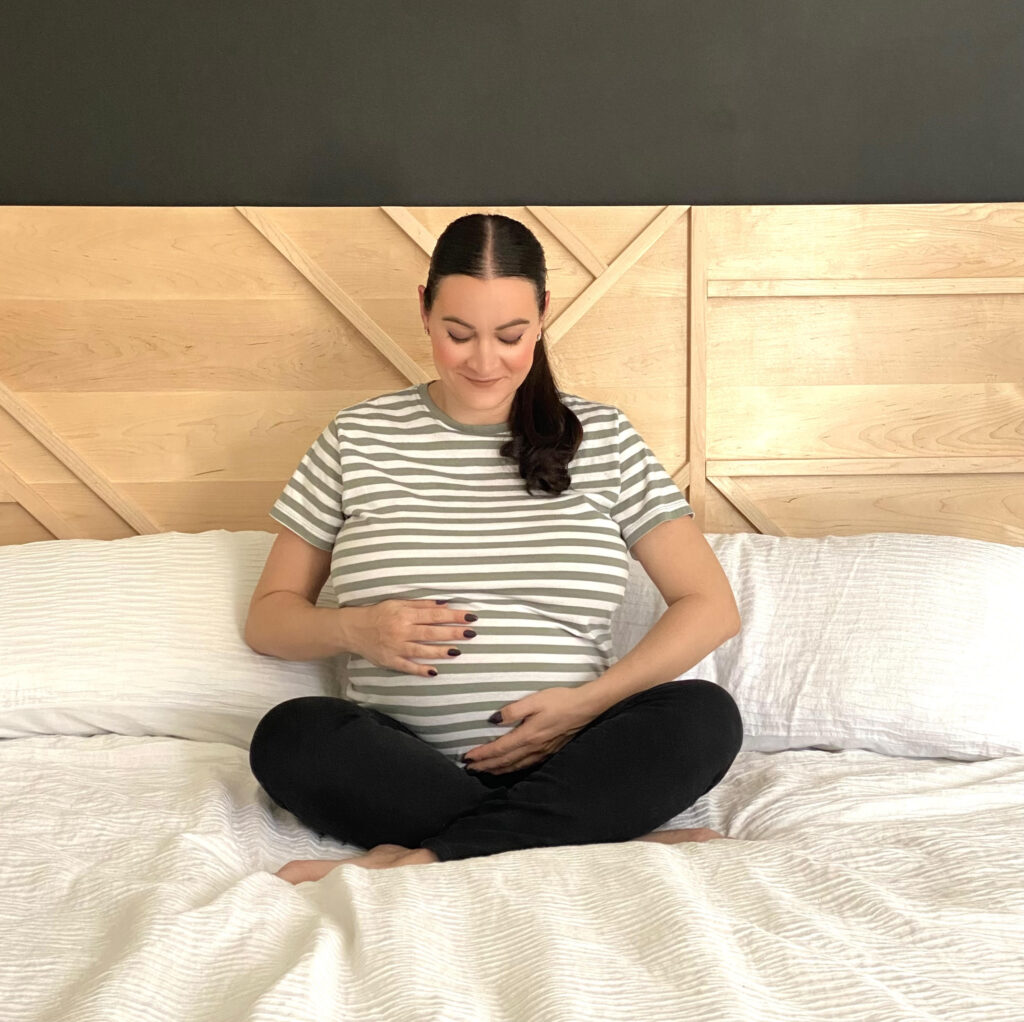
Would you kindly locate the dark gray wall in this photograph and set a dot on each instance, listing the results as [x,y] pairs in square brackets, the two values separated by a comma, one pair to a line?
[326,102]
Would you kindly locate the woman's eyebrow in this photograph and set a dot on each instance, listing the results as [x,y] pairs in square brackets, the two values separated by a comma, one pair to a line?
[511,322]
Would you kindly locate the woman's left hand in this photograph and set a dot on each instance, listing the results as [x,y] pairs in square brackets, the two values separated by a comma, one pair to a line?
[549,719]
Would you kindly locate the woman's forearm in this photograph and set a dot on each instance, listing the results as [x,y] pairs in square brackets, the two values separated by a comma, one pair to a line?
[686,632]
[287,625]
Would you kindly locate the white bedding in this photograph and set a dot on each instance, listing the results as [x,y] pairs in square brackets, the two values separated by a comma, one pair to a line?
[138,885]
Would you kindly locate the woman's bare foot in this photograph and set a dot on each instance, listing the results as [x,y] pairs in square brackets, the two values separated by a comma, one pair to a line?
[386,856]
[672,837]
[379,857]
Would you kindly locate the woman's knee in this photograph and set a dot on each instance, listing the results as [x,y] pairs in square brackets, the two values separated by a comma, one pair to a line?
[286,730]
[715,707]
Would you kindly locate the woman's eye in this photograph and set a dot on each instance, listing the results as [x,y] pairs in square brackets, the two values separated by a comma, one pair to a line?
[502,339]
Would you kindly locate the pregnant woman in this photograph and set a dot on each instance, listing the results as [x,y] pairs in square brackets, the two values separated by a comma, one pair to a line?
[476,531]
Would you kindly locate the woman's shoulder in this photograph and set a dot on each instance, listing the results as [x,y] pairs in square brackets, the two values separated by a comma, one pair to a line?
[380,406]
[593,410]
[591,413]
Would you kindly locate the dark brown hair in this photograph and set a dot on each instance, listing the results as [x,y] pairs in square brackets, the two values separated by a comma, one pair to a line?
[546,433]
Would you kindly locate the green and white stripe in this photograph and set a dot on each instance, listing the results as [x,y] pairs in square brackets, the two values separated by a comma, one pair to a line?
[430,510]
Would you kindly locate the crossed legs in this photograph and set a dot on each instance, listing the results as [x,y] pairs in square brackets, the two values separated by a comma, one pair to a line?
[364,778]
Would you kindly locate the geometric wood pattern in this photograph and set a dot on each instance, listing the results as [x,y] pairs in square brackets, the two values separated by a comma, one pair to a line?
[798,370]
[881,402]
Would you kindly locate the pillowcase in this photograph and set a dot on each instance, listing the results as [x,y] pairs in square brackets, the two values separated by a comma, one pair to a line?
[142,636]
[903,644]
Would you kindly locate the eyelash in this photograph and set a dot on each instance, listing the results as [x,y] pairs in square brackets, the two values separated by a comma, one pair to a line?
[462,340]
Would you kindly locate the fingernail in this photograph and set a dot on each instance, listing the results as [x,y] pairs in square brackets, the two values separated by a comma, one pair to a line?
[440,601]
[469,633]
[495,718]
[471,617]
[455,652]
[432,672]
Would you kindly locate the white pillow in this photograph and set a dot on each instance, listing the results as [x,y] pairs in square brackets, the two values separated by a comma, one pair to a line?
[141,636]
[904,644]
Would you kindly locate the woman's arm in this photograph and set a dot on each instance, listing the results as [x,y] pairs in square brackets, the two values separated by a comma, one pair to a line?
[689,629]
[700,616]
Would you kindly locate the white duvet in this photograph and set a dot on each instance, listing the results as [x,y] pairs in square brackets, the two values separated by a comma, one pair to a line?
[138,885]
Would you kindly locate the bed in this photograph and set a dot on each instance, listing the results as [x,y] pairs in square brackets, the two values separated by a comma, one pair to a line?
[837,391]
[876,810]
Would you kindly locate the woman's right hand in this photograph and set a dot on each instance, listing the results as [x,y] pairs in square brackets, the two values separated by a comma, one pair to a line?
[389,633]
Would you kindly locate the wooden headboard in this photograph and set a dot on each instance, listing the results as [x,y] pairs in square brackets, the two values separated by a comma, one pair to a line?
[798,370]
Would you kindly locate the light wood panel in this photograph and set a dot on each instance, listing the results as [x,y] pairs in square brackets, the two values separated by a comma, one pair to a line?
[865,369]
[804,370]
[896,241]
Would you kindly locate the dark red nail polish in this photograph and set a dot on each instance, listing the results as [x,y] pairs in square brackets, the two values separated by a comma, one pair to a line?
[432,672]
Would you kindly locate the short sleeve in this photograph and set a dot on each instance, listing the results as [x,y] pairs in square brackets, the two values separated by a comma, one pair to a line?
[647,495]
[310,504]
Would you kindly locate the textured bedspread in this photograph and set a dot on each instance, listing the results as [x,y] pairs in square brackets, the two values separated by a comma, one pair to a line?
[138,884]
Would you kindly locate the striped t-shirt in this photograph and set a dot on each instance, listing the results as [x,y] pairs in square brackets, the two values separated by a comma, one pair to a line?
[415,505]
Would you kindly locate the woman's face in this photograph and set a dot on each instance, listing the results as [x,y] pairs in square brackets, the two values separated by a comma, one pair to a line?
[482,330]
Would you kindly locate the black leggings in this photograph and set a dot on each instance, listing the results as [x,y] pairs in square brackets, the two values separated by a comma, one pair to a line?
[356,774]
